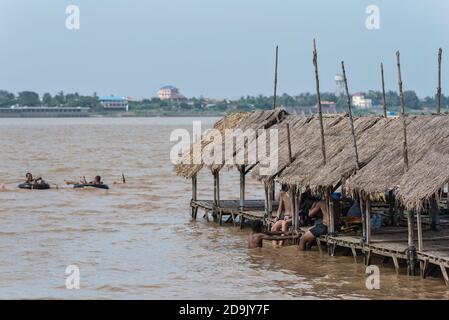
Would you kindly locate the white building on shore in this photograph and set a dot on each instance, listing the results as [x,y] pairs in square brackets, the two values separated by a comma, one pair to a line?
[359,100]
[169,93]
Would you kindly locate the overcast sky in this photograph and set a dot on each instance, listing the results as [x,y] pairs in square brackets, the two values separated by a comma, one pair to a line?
[217,48]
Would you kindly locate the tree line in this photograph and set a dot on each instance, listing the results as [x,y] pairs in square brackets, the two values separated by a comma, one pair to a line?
[247,103]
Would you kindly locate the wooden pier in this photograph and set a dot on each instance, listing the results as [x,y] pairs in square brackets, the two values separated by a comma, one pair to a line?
[391,243]
[252,210]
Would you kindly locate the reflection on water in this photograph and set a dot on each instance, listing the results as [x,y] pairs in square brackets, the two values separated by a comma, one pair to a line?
[136,240]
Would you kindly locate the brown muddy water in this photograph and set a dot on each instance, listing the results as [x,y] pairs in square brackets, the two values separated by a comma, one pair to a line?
[137,240]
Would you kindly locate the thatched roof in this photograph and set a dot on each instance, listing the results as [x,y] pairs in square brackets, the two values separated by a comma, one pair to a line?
[380,148]
[307,169]
[261,119]
[428,154]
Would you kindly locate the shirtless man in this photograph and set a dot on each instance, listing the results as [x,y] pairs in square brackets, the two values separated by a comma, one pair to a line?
[285,205]
[256,237]
[321,213]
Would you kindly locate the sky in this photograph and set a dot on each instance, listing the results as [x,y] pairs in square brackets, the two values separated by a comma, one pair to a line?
[218,48]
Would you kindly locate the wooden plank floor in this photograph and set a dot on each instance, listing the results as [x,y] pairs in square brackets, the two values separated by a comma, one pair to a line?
[253,209]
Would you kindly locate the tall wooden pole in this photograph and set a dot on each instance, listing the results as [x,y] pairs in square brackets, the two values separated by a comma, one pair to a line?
[351,120]
[275,79]
[384,98]
[318,96]
[404,123]
[440,52]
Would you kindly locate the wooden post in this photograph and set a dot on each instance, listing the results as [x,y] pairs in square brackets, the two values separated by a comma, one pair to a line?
[242,187]
[419,225]
[298,207]
[194,194]
[404,123]
[331,212]
[265,186]
[275,79]
[293,204]
[362,211]
[351,120]
[218,188]
[434,213]
[215,188]
[440,51]
[384,99]
[368,220]
[318,96]
[411,251]
[290,156]
[270,199]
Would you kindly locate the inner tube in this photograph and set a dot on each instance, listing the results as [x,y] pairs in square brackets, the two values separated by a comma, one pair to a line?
[30,186]
[99,186]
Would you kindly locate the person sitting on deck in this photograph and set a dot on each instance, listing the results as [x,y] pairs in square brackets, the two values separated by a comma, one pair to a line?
[257,235]
[285,205]
[320,212]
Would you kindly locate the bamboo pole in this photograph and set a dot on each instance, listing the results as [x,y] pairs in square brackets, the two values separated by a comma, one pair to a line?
[384,98]
[404,123]
[411,245]
[362,211]
[293,204]
[215,188]
[275,79]
[368,220]
[265,187]
[330,207]
[242,187]
[351,120]
[218,188]
[419,225]
[320,114]
[440,52]
[194,194]
[270,199]
[290,157]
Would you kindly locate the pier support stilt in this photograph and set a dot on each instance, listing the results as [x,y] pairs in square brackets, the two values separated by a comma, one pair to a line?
[444,273]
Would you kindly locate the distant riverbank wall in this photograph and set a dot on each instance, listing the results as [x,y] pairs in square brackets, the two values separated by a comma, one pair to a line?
[43,112]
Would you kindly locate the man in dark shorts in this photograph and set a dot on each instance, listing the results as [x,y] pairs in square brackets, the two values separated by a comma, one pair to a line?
[320,212]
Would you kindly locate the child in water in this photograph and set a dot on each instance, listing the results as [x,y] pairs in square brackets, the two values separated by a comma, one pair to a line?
[257,235]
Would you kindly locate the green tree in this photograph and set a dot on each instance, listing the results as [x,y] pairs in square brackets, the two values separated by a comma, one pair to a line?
[47,100]
[411,100]
[7,99]
[28,98]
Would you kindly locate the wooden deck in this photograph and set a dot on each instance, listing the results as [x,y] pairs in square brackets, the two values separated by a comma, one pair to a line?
[390,243]
[252,209]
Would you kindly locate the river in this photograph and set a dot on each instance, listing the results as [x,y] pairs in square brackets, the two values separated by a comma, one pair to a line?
[137,240]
